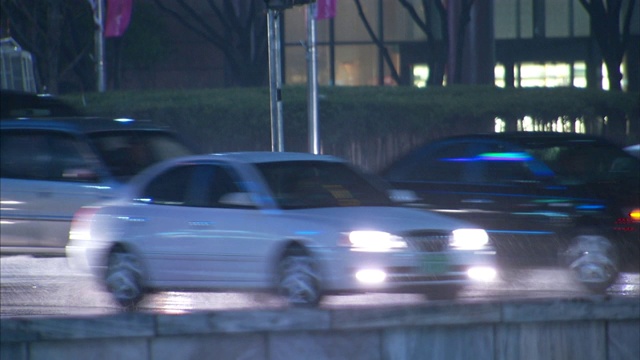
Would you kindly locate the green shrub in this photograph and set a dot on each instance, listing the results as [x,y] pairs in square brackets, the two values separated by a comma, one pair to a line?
[368,125]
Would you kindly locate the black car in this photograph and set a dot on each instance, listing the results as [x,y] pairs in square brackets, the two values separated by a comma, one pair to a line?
[17,104]
[545,198]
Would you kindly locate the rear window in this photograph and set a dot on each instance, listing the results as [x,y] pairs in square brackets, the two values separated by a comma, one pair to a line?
[585,161]
[126,153]
[44,155]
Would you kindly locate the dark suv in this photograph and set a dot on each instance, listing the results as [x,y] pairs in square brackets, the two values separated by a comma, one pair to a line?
[17,104]
[544,198]
[50,167]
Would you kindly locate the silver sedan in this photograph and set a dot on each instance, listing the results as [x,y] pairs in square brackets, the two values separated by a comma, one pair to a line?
[300,225]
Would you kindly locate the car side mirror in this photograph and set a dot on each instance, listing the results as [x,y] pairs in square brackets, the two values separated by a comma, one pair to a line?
[238,199]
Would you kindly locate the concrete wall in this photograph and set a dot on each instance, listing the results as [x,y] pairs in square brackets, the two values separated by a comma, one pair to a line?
[593,328]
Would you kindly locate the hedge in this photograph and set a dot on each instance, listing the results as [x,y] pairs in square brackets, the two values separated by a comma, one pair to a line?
[368,125]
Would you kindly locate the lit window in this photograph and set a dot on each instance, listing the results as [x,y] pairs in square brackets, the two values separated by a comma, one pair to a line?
[499,75]
[580,74]
[420,75]
[605,77]
[543,75]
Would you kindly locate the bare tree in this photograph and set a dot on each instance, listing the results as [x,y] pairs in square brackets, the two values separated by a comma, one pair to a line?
[433,21]
[378,42]
[464,18]
[434,24]
[612,37]
[56,34]
[237,28]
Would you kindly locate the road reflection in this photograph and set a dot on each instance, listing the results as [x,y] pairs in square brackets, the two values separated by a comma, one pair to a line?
[48,287]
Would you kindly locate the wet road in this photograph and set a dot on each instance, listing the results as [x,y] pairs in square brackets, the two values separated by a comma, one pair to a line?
[48,287]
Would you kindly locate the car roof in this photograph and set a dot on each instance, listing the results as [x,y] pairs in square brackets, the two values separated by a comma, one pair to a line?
[526,136]
[84,124]
[22,104]
[264,157]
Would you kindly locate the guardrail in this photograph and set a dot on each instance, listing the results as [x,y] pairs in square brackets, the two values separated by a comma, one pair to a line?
[586,328]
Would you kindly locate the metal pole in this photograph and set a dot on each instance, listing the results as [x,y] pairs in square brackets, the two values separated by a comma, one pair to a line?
[99,45]
[275,81]
[312,80]
[381,37]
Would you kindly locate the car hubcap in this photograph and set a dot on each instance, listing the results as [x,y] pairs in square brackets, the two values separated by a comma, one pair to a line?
[122,278]
[593,260]
[594,273]
[298,281]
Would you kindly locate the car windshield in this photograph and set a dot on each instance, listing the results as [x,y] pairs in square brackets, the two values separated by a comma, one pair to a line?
[586,161]
[126,153]
[317,184]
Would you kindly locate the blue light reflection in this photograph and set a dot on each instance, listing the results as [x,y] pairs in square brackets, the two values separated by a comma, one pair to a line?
[307,232]
[494,156]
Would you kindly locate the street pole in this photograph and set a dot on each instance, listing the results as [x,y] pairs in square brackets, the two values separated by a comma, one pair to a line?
[99,44]
[275,80]
[312,81]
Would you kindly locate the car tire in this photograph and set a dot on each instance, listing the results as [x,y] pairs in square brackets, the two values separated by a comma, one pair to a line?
[443,292]
[593,262]
[298,281]
[123,278]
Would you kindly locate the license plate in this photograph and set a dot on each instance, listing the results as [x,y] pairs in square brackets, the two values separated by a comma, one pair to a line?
[435,264]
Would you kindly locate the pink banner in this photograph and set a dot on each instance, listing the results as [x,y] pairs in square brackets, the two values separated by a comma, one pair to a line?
[118,16]
[325,9]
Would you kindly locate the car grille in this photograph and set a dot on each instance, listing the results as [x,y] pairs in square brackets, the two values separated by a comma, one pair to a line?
[427,241]
[409,275]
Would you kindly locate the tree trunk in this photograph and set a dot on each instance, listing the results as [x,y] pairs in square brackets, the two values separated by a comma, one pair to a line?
[54,22]
[614,75]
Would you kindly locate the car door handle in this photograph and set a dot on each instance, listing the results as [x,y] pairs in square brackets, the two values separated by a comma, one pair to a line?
[200,224]
[477,201]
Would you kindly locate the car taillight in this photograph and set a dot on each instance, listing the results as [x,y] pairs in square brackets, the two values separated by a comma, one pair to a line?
[81,223]
[630,220]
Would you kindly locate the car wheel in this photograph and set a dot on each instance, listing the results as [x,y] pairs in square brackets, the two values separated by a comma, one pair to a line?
[123,278]
[443,292]
[298,281]
[593,261]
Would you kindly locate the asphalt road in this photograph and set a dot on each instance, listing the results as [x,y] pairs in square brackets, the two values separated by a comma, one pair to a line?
[48,287]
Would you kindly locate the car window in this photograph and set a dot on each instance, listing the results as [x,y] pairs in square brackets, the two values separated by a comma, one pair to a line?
[498,163]
[44,155]
[170,187]
[24,155]
[210,183]
[197,185]
[312,184]
[126,153]
[222,183]
[585,161]
[446,162]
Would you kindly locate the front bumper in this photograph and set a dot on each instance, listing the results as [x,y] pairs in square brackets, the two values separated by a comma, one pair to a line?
[404,271]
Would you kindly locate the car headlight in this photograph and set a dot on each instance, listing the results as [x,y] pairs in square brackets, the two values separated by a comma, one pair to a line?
[469,239]
[372,241]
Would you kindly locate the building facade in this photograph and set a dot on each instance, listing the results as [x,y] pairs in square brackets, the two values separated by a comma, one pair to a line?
[512,43]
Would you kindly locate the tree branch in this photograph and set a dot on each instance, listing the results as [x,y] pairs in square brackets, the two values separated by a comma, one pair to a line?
[416,18]
[219,14]
[216,40]
[626,27]
[385,52]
